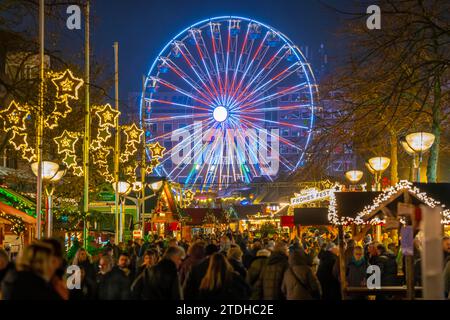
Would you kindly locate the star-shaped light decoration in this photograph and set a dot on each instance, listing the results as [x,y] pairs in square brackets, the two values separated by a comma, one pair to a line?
[67,85]
[51,121]
[19,140]
[78,171]
[103,134]
[133,133]
[29,154]
[101,156]
[66,142]
[108,116]
[62,108]
[14,117]
[189,195]
[156,149]
[70,160]
[124,157]
[130,170]
[154,162]
[148,170]
[96,145]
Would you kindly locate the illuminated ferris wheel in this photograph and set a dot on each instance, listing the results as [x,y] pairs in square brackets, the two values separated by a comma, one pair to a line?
[231,99]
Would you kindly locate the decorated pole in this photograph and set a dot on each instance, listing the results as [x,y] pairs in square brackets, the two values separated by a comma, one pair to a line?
[143,165]
[87,125]
[117,140]
[40,120]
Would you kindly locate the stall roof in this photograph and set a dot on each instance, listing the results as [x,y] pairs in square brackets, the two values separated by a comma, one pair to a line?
[349,204]
[13,211]
[311,216]
[243,212]
[198,214]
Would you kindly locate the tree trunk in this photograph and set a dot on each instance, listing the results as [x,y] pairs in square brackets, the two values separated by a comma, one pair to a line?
[394,156]
[436,130]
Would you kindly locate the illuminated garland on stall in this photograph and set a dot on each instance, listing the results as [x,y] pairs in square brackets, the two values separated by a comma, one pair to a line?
[18,226]
[394,191]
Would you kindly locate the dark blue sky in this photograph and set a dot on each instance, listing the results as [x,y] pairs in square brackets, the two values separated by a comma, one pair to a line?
[143,27]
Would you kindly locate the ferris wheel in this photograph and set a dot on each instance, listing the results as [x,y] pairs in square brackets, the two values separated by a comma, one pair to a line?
[230,99]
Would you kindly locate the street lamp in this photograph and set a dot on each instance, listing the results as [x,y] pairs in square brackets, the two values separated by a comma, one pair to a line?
[377,165]
[416,144]
[156,186]
[49,170]
[123,188]
[354,175]
[49,190]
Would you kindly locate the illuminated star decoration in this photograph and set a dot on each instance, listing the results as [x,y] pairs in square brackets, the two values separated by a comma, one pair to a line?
[133,133]
[67,85]
[148,170]
[154,162]
[29,154]
[70,160]
[101,156]
[103,134]
[14,117]
[108,116]
[156,149]
[66,142]
[62,109]
[19,140]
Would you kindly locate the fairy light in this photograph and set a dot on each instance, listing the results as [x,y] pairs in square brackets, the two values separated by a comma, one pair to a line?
[18,226]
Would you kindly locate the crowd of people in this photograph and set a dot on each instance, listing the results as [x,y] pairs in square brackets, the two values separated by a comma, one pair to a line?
[227,266]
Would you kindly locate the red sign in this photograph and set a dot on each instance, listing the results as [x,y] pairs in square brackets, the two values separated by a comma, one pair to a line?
[287,221]
[174,226]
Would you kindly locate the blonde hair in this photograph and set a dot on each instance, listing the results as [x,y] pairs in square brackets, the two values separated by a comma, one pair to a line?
[235,253]
[35,258]
[218,273]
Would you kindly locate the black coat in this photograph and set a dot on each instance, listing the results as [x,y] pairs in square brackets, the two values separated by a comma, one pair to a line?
[327,278]
[388,267]
[238,267]
[234,289]
[192,285]
[25,285]
[163,282]
[114,285]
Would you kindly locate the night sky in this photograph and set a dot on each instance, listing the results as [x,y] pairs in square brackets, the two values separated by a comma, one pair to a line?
[143,27]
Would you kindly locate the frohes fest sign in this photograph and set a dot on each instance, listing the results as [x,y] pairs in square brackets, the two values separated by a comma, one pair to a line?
[311,195]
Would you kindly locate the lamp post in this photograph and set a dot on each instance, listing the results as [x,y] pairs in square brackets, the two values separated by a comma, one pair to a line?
[354,176]
[417,144]
[48,171]
[123,188]
[377,165]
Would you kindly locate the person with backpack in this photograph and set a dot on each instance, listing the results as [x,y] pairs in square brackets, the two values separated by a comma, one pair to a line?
[299,281]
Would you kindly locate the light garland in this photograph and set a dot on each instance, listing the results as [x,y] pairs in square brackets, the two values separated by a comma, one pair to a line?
[18,226]
[67,85]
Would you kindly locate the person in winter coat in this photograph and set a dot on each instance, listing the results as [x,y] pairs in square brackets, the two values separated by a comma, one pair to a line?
[113,282]
[83,260]
[356,272]
[299,281]
[163,280]
[32,280]
[388,266]
[194,278]
[256,267]
[150,259]
[326,273]
[268,285]
[196,254]
[221,282]
[59,264]
[234,256]
[5,264]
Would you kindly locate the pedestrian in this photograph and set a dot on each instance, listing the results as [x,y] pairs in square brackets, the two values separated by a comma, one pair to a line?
[113,281]
[195,276]
[5,264]
[196,254]
[163,280]
[221,282]
[234,256]
[59,264]
[446,248]
[257,266]
[356,272]
[268,285]
[150,259]
[32,281]
[299,281]
[326,273]
[83,260]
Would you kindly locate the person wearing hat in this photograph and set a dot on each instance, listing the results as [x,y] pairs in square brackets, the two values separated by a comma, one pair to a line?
[326,273]
[256,266]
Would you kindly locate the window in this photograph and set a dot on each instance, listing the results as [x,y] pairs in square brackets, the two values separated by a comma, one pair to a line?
[167,127]
[285,132]
[154,127]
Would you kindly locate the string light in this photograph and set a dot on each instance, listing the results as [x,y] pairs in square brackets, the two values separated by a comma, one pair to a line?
[14,117]
[108,116]
[18,226]
[156,149]
[66,142]
[67,85]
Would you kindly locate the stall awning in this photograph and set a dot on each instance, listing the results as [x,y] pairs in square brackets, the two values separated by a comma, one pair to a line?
[311,216]
[243,212]
[349,204]
[197,215]
[13,211]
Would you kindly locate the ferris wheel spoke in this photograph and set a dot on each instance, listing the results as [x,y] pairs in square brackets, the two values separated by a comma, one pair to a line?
[253,125]
[249,65]
[237,66]
[274,122]
[219,80]
[176,69]
[151,100]
[273,83]
[190,60]
[257,80]
[179,90]
[281,108]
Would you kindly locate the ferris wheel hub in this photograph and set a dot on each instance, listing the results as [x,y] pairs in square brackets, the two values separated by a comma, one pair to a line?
[220,114]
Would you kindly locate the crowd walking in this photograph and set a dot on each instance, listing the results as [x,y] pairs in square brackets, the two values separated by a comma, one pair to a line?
[229,266]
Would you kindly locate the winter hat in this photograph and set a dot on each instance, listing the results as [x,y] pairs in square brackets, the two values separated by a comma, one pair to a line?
[330,246]
[263,253]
